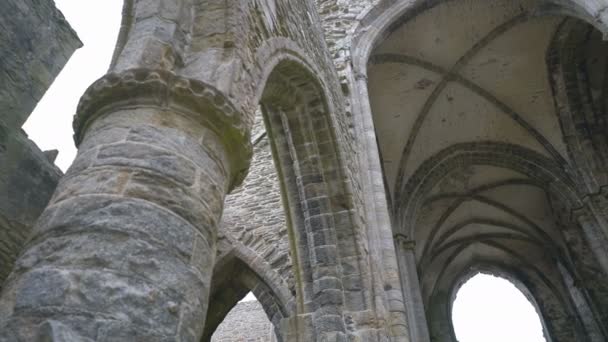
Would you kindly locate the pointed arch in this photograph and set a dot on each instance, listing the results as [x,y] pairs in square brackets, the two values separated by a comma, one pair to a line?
[498,274]
[237,273]
[576,60]
[499,245]
[540,169]
[553,181]
[556,310]
[325,245]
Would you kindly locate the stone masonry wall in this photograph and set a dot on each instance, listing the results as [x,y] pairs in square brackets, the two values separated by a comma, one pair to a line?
[340,18]
[27,181]
[35,44]
[247,322]
[254,212]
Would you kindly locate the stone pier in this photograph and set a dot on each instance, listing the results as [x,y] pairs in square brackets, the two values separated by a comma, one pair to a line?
[126,247]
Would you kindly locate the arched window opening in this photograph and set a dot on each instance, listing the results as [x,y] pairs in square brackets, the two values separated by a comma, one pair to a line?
[234,284]
[247,321]
[489,308]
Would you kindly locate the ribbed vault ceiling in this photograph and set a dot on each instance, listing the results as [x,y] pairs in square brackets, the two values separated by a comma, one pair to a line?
[462,73]
[469,216]
[443,79]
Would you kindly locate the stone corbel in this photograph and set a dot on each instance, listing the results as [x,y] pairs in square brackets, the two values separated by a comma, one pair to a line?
[404,242]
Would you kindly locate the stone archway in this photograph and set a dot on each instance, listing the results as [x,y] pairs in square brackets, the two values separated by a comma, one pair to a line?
[324,241]
[576,61]
[232,280]
[482,208]
[440,82]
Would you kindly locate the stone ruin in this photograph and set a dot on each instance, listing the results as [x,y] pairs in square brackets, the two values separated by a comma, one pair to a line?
[350,162]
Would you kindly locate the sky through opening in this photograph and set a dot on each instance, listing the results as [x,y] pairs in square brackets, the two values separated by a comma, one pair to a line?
[489,308]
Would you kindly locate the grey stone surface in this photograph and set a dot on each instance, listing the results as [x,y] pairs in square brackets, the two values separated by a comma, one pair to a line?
[35,43]
[478,178]
[350,162]
[254,213]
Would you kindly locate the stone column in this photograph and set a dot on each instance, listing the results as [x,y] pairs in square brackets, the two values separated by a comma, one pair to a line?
[125,249]
[380,230]
[410,284]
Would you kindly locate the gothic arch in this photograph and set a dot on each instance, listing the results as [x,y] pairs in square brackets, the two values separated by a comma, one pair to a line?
[541,286]
[576,61]
[497,232]
[434,75]
[386,18]
[496,254]
[381,20]
[502,271]
[279,50]
[187,72]
[542,172]
[236,273]
[316,195]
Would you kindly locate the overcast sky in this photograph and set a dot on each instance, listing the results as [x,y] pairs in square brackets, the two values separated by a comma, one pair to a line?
[486,308]
[97,23]
[491,309]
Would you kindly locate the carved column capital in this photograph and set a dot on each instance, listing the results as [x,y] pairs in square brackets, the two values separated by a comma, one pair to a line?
[163,89]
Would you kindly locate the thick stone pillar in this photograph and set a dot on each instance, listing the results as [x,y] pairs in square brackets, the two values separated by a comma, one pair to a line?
[125,250]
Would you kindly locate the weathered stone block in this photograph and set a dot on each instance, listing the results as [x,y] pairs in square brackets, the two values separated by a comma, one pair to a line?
[48,287]
[27,181]
[148,157]
[124,216]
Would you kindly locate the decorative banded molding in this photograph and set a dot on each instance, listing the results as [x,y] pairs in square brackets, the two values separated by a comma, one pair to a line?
[164,89]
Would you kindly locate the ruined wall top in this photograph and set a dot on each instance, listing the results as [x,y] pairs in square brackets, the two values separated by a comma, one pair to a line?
[39,53]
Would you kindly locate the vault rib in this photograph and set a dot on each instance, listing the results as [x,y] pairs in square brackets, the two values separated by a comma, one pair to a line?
[452,76]
[498,246]
[485,41]
[474,195]
[487,222]
[480,238]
